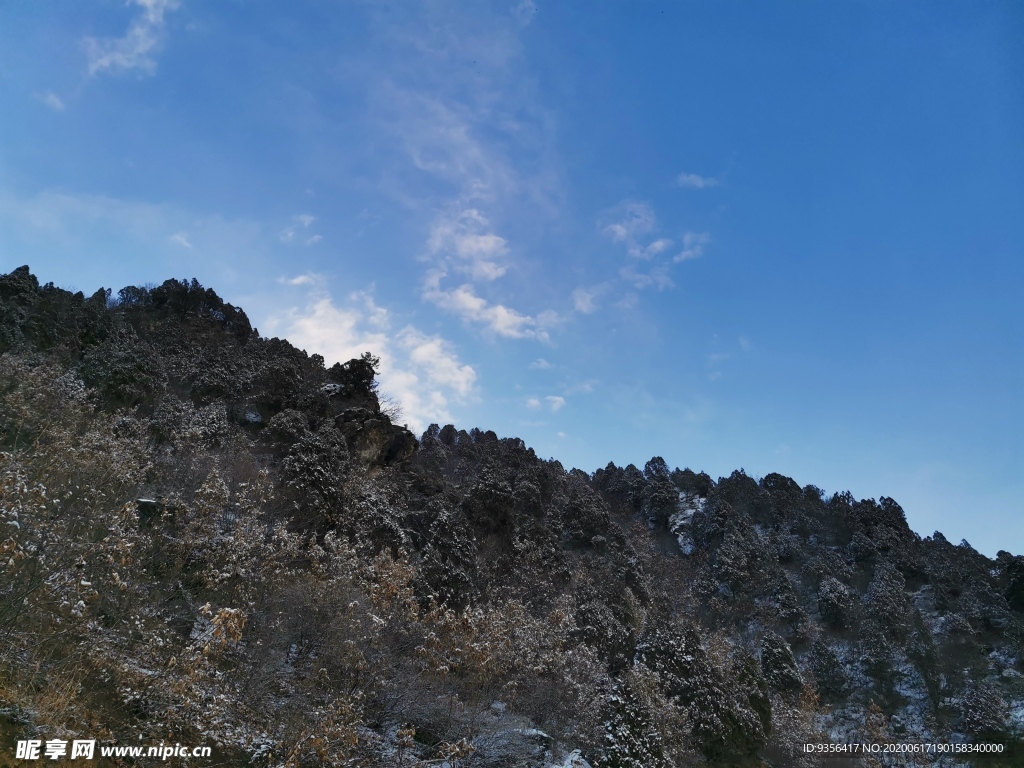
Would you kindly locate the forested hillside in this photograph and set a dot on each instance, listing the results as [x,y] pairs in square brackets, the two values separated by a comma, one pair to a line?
[211,537]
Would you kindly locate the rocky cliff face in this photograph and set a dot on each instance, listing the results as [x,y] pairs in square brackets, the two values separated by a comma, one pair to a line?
[209,535]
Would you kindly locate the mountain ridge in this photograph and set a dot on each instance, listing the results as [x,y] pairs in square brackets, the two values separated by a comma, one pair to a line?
[630,617]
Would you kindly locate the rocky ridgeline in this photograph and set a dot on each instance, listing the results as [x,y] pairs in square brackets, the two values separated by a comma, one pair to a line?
[252,553]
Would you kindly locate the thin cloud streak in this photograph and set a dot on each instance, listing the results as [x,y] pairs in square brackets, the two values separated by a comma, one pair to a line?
[555,402]
[135,49]
[464,303]
[50,99]
[181,238]
[436,103]
[693,246]
[696,181]
[299,221]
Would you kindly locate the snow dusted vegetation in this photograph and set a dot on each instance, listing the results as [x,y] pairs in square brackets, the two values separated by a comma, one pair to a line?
[679,522]
[211,537]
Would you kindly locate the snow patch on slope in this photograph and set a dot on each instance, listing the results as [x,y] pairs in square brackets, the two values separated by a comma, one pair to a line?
[680,522]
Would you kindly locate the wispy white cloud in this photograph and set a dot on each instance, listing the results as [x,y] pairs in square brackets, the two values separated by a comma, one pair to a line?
[464,303]
[471,137]
[630,220]
[633,223]
[524,11]
[421,371]
[299,221]
[540,364]
[314,239]
[439,138]
[310,278]
[656,277]
[532,423]
[435,357]
[135,49]
[696,181]
[181,238]
[716,359]
[50,99]
[466,243]
[584,386]
[628,301]
[584,300]
[693,246]
[59,213]
[339,333]
[75,223]
[555,402]
[657,247]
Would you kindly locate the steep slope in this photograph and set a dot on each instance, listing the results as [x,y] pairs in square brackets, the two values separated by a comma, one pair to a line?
[210,537]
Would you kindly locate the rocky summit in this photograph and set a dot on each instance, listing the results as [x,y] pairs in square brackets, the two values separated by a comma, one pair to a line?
[211,537]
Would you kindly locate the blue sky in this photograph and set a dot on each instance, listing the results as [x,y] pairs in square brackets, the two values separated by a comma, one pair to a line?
[781,236]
